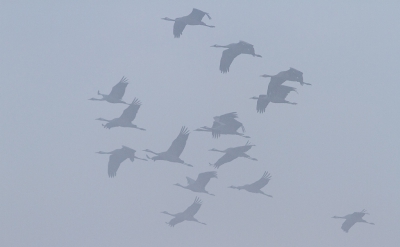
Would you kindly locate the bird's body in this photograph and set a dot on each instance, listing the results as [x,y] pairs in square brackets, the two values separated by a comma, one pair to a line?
[256,186]
[351,219]
[288,75]
[234,50]
[276,94]
[200,183]
[232,153]
[225,124]
[125,120]
[175,150]
[116,94]
[117,157]
[187,215]
[193,19]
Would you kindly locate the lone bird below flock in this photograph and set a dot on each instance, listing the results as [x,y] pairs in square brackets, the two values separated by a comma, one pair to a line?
[225,125]
[117,157]
[193,19]
[234,50]
[351,219]
[116,93]
[125,120]
[175,150]
[232,153]
[275,94]
[200,183]
[256,186]
[288,75]
[187,215]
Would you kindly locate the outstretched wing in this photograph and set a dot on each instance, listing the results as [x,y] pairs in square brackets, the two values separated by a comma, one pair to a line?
[190,180]
[215,130]
[347,224]
[178,28]
[118,90]
[227,58]
[175,220]
[129,113]
[204,178]
[179,143]
[262,181]
[242,149]
[115,161]
[198,15]
[194,208]
[228,117]
[224,159]
[280,91]
[275,81]
[262,103]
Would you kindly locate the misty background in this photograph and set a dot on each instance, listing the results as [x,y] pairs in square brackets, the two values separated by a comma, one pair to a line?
[334,153]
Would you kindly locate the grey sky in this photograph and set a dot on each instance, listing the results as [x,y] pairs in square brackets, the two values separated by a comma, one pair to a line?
[334,153]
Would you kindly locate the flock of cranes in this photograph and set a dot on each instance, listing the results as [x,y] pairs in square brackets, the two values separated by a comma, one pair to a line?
[226,124]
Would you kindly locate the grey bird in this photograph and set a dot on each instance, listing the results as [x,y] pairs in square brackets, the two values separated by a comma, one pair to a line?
[193,19]
[256,186]
[117,157]
[225,124]
[125,120]
[187,215]
[275,94]
[116,93]
[234,50]
[175,150]
[232,153]
[288,75]
[199,185]
[351,219]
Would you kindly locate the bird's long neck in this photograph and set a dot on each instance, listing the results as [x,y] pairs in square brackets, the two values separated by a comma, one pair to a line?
[168,19]
[149,151]
[101,152]
[205,128]
[220,46]
[102,119]
[139,158]
[97,99]
[339,217]
[180,185]
[169,213]
[216,150]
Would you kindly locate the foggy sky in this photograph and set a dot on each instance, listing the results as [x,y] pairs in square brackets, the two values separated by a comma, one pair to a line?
[334,153]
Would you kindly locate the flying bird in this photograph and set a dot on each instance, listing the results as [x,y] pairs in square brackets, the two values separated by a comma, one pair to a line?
[117,157]
[125,120]
[288,75]
[193,19]
[351,219]
[256,186]
[200,183]
[187,215]
[234,50]
[116,93]
[175,150]
[225,124]
[275,94]
[232,153]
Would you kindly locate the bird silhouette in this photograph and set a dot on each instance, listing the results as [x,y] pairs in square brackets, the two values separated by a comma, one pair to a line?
[275,94]
[175,150]
[232,153]
[116,93]
[125,120]
[193,19]
[187,215]
[200,183]
[351,219]
[234,50]
[225,124]
[117,157]
[256,186]
[288,75]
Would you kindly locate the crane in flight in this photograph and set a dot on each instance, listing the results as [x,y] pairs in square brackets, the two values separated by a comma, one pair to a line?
[256,186]
[175,150]
[351,219]
[116,94]
[234,50]
[232,153]
[288,75]
[225,124]
[276,94]
[117,157]
[187,215]
[125,120]
[199,185]
[193,19]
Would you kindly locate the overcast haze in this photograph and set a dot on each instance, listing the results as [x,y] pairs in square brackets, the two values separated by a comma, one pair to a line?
[334,153]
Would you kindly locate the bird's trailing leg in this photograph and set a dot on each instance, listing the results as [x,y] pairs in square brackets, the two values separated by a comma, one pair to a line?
[302,83]
[195,220]
[203,24]
[265,194]
[186,164]
[140,158]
